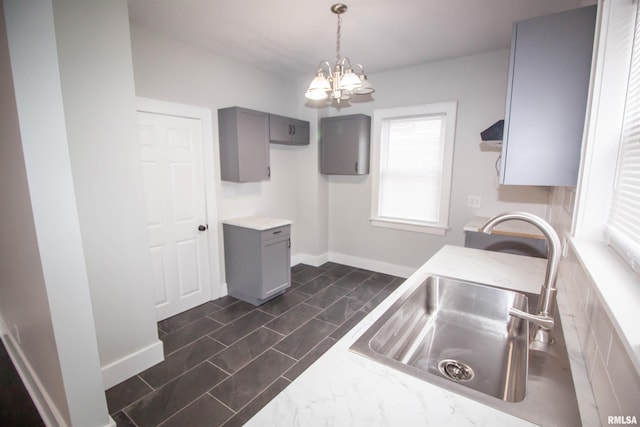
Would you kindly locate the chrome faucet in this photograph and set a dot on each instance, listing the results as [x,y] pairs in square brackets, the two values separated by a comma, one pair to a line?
[543,321]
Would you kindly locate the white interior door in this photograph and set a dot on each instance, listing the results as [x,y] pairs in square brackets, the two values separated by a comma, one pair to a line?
[174,179]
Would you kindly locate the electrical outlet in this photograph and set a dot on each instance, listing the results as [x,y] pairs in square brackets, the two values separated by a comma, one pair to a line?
[474,201]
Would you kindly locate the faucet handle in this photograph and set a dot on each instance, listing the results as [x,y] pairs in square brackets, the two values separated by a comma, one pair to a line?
[545,322]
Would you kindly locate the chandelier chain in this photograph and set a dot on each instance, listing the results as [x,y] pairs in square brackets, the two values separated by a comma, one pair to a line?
[338,40]
[338,82]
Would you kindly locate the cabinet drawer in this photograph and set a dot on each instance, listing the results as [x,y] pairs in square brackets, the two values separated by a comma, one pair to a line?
[275,233]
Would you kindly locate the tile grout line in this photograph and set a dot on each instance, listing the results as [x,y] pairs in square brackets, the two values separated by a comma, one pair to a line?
[246,335]
[174,379]
[390,285]
[260,394]
[146,383]
[190,323]
[253,359]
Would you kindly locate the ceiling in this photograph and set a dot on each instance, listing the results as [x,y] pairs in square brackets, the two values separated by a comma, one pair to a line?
[292,36]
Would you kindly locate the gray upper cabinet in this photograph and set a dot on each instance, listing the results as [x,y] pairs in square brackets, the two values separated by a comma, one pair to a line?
[344,145]
[285,130]
[546,98]
[244,144]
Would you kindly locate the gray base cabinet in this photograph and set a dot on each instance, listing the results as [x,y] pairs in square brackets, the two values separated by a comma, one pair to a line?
[546,98]
[517,245]
[288,131]
[257,262]
[244,145]
[344,145]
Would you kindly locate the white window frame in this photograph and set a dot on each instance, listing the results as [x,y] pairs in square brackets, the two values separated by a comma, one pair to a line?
[616,284]
[449,109]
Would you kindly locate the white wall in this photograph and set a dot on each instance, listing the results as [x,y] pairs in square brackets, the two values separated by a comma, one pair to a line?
[99,101]
[330,214]
[169,70]
[478,83]
[45,294]
[24,307]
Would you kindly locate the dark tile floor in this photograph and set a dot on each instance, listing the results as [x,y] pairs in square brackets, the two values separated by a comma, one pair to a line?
[226,359]
[16,406]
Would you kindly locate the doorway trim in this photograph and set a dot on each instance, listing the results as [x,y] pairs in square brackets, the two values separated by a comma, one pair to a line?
[155,106]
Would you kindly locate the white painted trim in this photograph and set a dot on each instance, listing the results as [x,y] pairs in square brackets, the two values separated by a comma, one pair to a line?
[212,178]
[353,261]
[450,109]
[314,260]
[118,371]
[369,264]
[409,226]
[43,402]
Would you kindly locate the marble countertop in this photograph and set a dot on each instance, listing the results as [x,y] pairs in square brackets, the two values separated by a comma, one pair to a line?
[257,222]
[508,228]
[344,388]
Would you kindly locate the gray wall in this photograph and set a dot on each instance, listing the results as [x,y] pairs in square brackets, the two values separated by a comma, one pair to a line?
[24,307]
[45,299]
[170,70]
[478,83]
[99,106]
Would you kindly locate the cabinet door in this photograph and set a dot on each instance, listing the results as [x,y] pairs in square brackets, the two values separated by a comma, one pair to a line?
[547,97]
[284,130]
[244,144]
[276,266]
[253,146]
[300,132]
[279,129]
[344,145]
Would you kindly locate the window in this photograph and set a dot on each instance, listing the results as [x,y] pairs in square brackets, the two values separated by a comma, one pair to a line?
[412,163]
[622,231]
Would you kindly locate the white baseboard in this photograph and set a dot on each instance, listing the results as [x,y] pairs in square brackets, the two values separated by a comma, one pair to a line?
[46,407]
[118,371]
[369,264]
[314,260]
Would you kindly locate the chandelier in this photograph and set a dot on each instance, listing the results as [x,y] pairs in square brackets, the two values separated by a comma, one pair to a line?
[339,82]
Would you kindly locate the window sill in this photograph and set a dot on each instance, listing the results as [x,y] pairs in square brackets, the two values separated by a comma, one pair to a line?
[618,288]
[416,227]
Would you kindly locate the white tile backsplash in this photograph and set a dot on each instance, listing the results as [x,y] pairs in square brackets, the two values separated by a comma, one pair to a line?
[604,392]
[614,380]
[627,385]
[590,349]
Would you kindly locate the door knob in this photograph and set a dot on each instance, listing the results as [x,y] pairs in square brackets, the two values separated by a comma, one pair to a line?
[202,227]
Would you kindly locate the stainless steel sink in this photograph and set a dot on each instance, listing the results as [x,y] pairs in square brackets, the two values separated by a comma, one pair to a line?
[459,335]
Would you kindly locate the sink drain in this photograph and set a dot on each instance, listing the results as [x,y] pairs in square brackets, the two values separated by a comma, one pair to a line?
[455,370]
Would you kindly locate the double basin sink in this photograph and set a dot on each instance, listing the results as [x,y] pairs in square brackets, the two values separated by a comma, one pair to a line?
[459,335]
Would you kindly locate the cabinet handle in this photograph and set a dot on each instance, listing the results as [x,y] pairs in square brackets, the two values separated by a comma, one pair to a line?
[356,167]
[294,129]
[290,131]
[289,242]
[269,171]
[277,232]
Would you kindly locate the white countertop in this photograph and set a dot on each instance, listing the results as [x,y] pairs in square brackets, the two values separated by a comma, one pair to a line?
[345,389]
[508,228]
[257,222]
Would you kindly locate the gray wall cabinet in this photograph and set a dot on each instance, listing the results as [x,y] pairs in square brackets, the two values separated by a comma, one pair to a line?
[285,130]
[244,144]
[546,98]
[257,262]
[344,145]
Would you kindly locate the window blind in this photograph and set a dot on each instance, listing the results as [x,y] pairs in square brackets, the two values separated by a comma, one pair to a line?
[411,168]
[622,231]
